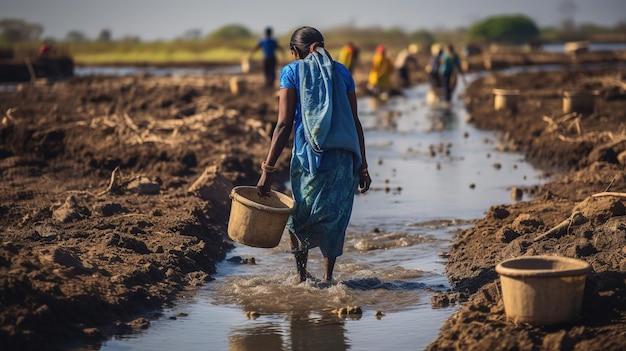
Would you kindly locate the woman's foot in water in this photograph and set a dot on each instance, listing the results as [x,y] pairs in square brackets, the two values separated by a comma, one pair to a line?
[325,283]
[307,276]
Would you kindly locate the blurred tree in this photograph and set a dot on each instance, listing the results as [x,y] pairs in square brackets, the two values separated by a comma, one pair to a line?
[423,37]
[192,34]
[591,28]
[129,38]
[75,36]
[513,29]
[231,32]
[549,34]
[396,32]
[105,36]
[14,30]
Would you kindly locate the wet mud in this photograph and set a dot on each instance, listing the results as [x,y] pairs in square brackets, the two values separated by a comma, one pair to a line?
[580,213]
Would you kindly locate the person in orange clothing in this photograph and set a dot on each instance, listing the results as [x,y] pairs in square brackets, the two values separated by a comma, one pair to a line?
[380,75]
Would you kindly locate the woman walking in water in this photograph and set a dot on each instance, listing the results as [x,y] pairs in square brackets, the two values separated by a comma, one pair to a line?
[317,101]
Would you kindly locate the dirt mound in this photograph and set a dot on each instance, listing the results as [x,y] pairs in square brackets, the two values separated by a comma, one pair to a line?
[579,214]
[115,197]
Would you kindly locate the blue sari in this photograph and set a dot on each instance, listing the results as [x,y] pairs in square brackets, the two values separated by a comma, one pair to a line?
[326,154]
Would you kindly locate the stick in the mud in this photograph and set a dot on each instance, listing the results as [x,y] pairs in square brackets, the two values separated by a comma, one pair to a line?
[551,124]
[609,193]
[31,70]
[610,184]
[576,218]
[111,182]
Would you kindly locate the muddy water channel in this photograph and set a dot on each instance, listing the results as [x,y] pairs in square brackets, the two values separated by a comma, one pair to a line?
[433,174]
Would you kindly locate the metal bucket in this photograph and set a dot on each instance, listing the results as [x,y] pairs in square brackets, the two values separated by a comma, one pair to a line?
[258,221]
[543,290]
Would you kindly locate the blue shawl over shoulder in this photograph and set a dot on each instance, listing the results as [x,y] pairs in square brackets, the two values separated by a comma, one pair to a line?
[326,112]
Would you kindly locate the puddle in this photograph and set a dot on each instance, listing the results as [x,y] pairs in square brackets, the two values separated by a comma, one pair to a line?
[433,174]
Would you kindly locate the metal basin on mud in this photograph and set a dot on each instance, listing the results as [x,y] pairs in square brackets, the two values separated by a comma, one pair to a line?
[258,221]
[543,290]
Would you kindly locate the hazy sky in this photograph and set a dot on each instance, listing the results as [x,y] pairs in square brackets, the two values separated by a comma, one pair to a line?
[168,19]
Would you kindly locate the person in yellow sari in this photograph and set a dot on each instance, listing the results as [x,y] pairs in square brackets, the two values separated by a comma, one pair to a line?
[349,56]
[380,74]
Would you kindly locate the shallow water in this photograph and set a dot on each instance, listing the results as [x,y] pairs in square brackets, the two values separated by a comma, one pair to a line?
[154,71]
[391,264]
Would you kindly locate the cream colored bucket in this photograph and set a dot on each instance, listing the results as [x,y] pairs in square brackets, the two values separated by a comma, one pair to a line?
[505,99]
[245,65]
[237,85]
[250,66]
[543,290]
[258,221]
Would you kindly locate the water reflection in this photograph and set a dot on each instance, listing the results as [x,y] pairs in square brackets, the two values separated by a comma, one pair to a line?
[259,337]
[441,118]
[307,331]
[316,333]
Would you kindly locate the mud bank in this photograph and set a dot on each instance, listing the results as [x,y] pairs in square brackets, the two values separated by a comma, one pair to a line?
[584,152]
[114,198]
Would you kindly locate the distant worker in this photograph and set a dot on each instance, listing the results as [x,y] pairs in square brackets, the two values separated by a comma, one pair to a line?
[48,61]
[449,65]
[435,78]
[406,59]
[45,51]
[380,75]
[269,46]
[349,56]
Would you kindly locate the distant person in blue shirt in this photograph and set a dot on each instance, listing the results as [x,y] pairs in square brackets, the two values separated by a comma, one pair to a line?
[269,46]
[449,64]
[435,78]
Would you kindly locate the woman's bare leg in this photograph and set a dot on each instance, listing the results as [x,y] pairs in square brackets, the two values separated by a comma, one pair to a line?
[329,265]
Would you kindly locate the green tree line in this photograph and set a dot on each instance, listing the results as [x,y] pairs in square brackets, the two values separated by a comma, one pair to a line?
[231,41]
